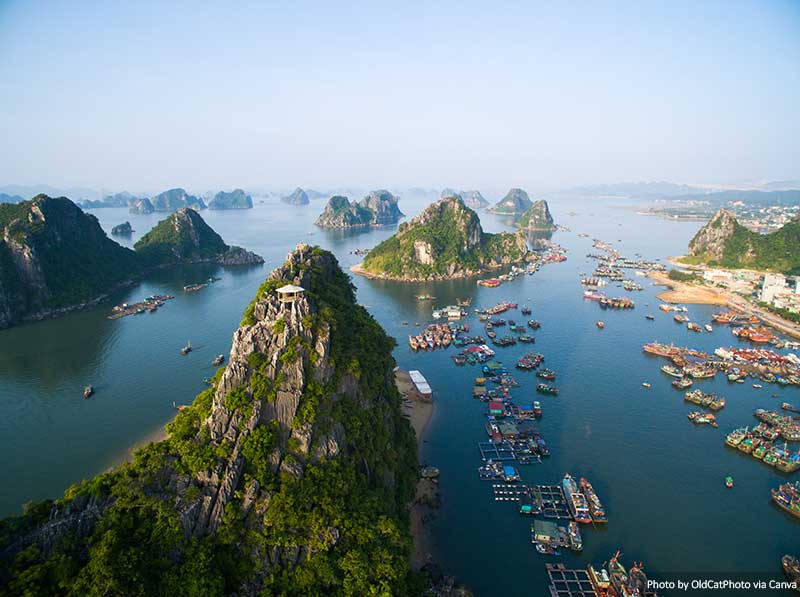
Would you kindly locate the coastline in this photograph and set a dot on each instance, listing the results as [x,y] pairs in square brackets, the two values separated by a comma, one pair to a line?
[359,270]
[691,294]
[419,413]
[156,435]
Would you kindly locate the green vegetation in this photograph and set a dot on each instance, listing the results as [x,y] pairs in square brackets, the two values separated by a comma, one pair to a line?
[537,217]
[724,242]
[183,236]
[679,276]
[783,312]
[454,241]
[346,513]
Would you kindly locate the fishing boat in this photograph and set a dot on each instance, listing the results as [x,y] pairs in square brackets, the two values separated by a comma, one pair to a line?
[186,349]
[672,370]
[543,388]
[682,384]
[526,310]
[575,540]
[547,374]
[627,583]
[645,384]
[218,359]
[596,510]
[576,501]
[537,409]
[728,481]
[601,325]
[791,568]
[680,318]
[88,391]
[787,496]
[533,324]
[789,407]
[708,327]
[649,317]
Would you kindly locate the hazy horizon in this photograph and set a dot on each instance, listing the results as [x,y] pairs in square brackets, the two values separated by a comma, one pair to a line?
[149,96]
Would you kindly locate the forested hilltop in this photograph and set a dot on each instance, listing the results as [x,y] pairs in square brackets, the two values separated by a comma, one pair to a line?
[289,476]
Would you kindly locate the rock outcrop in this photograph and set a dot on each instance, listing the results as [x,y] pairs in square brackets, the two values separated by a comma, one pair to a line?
[379,208]
[723,241]
[176,199]
[537,217]
[298,197]
[236,199]
[184,237]
[142,206]
[55,258]
[123,229]
[515,202]
[297,460]
[444,241]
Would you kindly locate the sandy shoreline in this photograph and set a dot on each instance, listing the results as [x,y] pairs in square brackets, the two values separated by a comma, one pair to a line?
[690,294]
[419,413]
[157,435]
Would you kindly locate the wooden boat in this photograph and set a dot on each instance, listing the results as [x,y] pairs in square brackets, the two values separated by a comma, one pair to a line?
[88,391]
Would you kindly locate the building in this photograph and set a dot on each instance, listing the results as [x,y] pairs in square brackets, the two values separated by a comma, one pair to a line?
[545,531]
[718,276]
[421,384]
[290,293]
[772,285]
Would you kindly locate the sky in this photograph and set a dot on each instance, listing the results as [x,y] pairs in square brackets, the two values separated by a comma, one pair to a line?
[149,95]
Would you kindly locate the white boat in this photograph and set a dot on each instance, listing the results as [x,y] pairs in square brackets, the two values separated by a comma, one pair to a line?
[709,328]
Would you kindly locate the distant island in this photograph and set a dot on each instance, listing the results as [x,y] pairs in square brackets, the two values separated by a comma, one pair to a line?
[537,217]
[290,475]
[298,197]
[184,237]
[376,209]
[55,258]
[724,242]
[6,198]
[236,199]
[472,199]
[142,206]
[515,202]
[176,199]
[123,229]
[445,241]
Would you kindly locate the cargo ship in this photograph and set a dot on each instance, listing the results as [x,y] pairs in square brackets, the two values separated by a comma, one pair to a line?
[576,501]
[787,496]
[596,510]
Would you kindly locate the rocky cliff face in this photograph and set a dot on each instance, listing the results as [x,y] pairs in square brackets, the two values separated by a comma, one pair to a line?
[184,237]
[444,241]
[289,476]
[142,206]
[123,229]
[711,239]
[538,217]
[376,209]
[298,197]
[236,199]
[53,258]
[515,202]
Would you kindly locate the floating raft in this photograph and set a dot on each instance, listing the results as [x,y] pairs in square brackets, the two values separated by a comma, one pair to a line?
[566,582]
[508,493]
[554,504]
[492,451]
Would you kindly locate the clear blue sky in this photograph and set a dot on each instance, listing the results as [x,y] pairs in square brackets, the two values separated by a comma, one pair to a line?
[144,95]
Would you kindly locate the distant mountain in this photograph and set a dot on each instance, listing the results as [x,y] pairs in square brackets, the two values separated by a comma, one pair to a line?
[5,198]
[781,185]
[474,199]
[515,202]
[29,191]
[298,197]
[184,237]
[725,242]
[376,209]
[312,194]
[54,258]
[444,241]
[123,199]
[236,199]
[537,217]
[634,190]
[142,206]
[176,199]
[787,197]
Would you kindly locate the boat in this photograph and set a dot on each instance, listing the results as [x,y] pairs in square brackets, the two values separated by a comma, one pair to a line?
[596,510]
[575,540]
[526,310]
[576,501]
[543,388]
[627,583]
[682,384]
[787,497]
[601,325]
[649,317]
[537,409]
[790,408]
[693,327]
[547,374]
[218,359]
[728,481]
[88,391]
[186,349]
[645,384]
[672,370]
[708,327]
[791,568]
[533,324]
[680,318]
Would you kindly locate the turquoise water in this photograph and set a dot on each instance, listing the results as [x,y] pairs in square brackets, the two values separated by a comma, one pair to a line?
[660,478]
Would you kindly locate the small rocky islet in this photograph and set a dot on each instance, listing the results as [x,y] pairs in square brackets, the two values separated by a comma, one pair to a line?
[379,208]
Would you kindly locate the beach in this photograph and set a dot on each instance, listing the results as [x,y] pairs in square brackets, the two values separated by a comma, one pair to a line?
[419,413]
